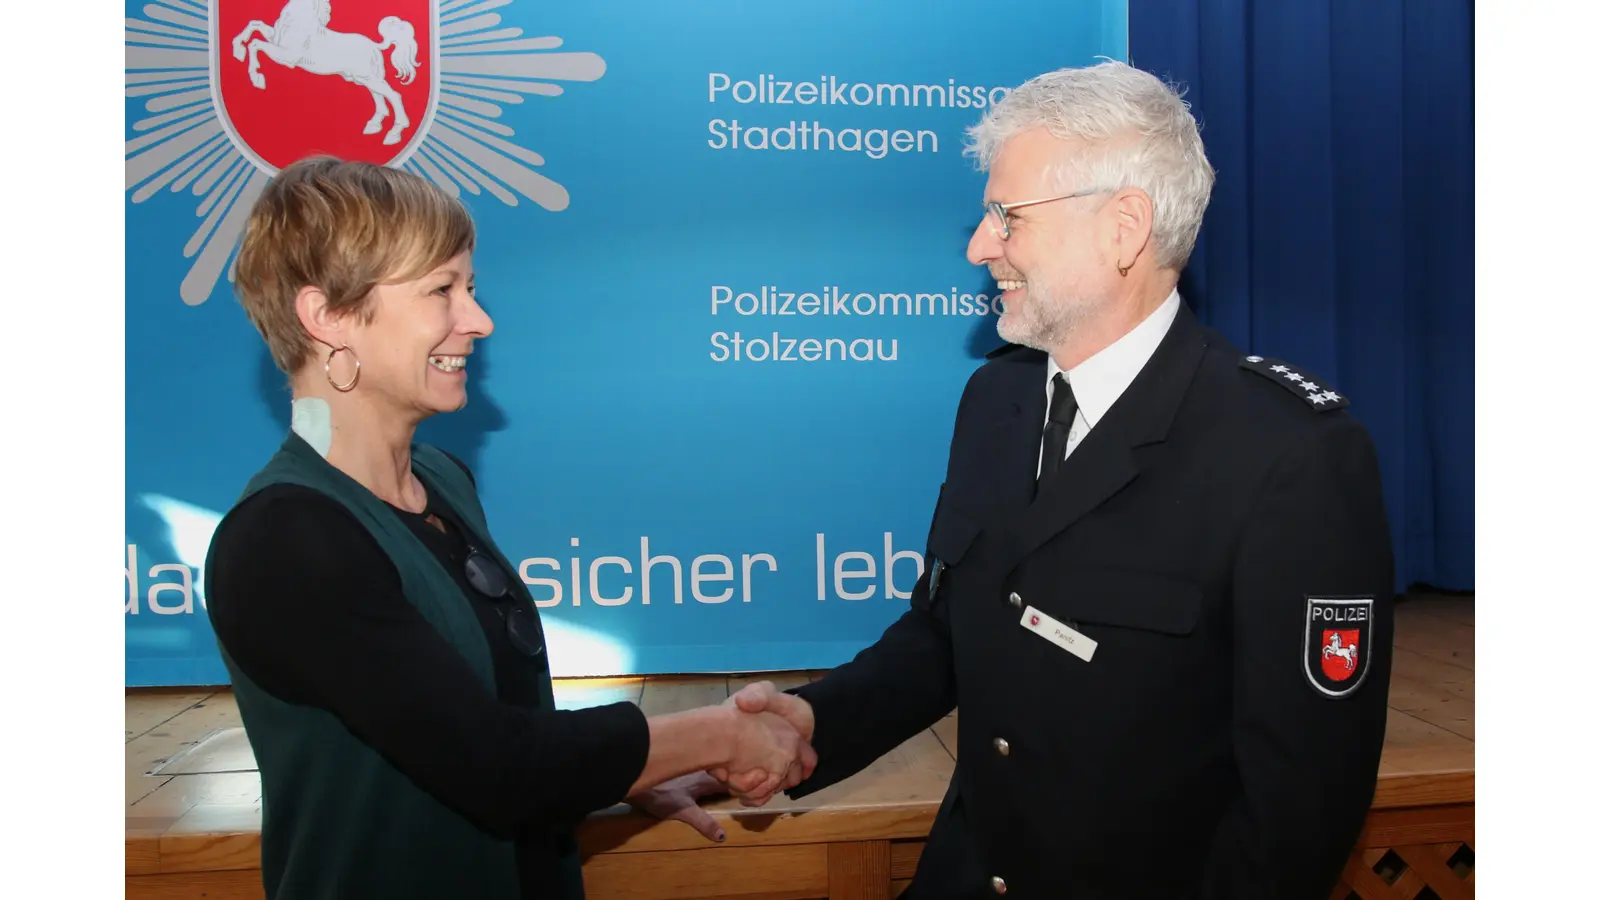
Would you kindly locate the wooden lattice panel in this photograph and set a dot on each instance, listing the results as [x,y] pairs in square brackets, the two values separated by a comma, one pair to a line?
[1409,872]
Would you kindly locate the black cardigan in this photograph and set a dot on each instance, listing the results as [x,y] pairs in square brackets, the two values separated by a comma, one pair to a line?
[306,603]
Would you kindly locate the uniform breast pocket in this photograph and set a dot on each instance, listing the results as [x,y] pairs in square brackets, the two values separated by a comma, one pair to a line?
[1134,617]
[950,540]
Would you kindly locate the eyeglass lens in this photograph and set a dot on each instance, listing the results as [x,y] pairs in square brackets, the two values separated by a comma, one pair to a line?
[999,213]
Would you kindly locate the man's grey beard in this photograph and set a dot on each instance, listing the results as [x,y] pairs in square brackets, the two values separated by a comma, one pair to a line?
[1045,320]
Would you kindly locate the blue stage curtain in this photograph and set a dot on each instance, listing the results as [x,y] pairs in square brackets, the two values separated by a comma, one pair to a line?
[1340,234]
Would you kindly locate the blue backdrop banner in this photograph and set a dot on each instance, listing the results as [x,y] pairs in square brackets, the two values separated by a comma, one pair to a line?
[722,243]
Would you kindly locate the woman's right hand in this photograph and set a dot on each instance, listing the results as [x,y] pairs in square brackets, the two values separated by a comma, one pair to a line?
[768,754]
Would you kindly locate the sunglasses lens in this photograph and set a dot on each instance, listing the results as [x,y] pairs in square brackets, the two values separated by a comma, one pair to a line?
[488,579]
[485,576]
[524,637]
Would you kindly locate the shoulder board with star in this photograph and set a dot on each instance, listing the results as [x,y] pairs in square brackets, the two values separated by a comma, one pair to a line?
[1302,384]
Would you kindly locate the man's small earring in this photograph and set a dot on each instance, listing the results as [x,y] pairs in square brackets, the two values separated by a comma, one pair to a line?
[1123,270]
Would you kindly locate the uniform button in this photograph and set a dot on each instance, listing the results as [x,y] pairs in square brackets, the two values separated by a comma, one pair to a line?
[999,884]
[1002,746]
[1015,600]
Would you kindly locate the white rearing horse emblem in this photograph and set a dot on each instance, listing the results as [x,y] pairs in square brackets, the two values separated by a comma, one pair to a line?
[1335,647]
[300,39]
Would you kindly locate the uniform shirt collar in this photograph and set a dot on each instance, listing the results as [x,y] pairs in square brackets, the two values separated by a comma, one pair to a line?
[1098,381]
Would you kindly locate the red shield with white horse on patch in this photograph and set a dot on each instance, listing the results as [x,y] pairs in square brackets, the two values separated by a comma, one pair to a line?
[1337,648]
[1340,650]
[354,78]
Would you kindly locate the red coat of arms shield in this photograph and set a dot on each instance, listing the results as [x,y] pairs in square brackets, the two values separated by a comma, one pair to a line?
[354,78]
[1339,653]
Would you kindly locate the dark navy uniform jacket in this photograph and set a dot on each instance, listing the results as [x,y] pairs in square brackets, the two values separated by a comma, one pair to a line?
[1220,538]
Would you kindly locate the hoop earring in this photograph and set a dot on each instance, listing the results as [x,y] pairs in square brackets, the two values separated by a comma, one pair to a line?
[1123,270]
[327,367]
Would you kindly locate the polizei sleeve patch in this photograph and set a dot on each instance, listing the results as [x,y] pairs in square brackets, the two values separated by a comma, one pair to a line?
[1337,650]
[1317,395]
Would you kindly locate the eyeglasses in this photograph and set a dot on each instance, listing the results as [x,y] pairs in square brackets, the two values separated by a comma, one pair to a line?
[1000,210]
[488,579]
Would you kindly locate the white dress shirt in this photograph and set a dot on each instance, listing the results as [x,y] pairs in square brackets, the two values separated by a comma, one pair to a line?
[1098,381]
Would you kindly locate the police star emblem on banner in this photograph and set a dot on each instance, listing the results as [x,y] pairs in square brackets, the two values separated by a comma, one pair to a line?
[237,90]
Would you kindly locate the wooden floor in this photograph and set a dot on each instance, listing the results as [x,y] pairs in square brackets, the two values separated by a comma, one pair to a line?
[194,797]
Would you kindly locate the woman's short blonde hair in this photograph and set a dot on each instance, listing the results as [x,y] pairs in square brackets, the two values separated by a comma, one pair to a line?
[344,228]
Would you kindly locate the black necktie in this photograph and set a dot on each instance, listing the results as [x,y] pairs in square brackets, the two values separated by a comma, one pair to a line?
[1063,409]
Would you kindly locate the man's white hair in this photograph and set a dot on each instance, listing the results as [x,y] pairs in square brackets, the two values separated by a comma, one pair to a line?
[1139,132]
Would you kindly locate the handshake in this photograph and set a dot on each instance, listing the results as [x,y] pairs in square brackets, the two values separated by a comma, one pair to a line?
[752,746]
[771,749]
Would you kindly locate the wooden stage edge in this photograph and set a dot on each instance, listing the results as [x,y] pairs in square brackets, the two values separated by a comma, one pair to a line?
[194,797]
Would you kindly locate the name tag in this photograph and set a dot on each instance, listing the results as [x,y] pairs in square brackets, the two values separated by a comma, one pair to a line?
[1071,640]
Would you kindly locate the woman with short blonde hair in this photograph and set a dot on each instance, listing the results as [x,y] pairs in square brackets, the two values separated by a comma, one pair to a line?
[389,666]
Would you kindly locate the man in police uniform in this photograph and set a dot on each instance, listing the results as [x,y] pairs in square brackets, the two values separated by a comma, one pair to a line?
[1160,573]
